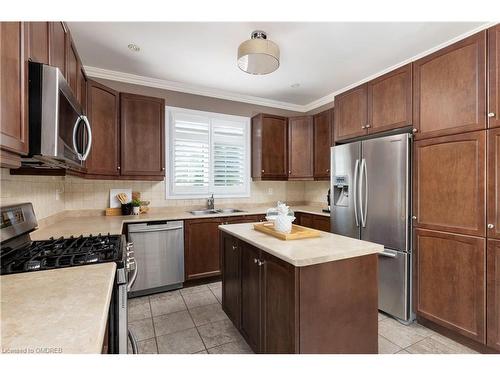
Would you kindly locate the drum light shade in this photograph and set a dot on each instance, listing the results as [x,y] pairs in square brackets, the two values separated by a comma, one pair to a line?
[258,55]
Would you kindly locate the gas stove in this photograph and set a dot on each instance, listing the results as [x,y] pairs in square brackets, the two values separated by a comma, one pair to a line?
[59,253]
[18,253]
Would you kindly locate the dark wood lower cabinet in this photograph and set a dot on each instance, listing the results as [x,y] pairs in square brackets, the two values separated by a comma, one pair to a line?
[450,281]
[318,222]
[250,295]
[493,295]
[201,248]
[324,308]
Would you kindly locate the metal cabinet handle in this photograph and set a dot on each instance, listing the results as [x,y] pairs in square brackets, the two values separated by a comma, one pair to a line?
[262,171]
[118,168]
[234,247]
[255,260]
[289,172]
[328,170]
[363,127]
[491,226]
[491,114]
[414,130]
[261,262]
[368,126]
[414,218]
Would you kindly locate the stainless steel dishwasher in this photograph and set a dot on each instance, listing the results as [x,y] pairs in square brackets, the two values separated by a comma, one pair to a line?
[159,256]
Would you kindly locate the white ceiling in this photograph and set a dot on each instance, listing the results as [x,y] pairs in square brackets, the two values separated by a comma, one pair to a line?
[201,57]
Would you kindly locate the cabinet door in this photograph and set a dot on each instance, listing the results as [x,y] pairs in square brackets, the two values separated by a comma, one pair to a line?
[13,93]
[250,295]
[493,210]
[72,65]
[450,281]
[142,135]
[81,92]
[242,219]
[449,183]
[494,76]
[322,143]
[269,147]
[493,294]
[390,100]
[306,220]
[201,248]
[321,223]
[39,41]
[57,46]
[278,306]
[351,113]
[231,278]
[102,106]
[300,148]
[450,88]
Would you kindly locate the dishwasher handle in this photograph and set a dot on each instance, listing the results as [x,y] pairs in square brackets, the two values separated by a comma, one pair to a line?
[159,228]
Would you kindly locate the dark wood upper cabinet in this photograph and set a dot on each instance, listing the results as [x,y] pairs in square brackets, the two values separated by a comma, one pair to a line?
[351,113]
[13,94]
[39,41]
[103,111]
[201,248]
[300,148]
[142,135]
[450,272]
[58,46]
[323,140]
[449,89]
[493,294]
[72,65]
[250,296]
[81,92]
[390,100]
[493,207]
[449,183]
[494,76]
[269,147]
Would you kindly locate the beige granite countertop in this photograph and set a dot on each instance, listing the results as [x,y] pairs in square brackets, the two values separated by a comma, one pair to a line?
[63,310]
[97,223]
[304,252]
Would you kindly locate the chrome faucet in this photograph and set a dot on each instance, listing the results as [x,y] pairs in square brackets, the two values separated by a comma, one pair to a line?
[211,202]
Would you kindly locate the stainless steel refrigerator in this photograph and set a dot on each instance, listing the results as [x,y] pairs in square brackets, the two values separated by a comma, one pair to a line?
[370,188]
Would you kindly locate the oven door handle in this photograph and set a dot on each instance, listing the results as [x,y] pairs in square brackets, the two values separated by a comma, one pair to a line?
[133,342]
[132,279]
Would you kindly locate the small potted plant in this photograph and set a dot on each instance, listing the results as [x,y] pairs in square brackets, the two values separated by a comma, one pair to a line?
[136,206]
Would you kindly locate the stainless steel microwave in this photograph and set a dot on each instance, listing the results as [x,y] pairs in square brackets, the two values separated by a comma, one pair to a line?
[60,134]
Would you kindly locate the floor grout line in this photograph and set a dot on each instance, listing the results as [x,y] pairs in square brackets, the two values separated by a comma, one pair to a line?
[197,330]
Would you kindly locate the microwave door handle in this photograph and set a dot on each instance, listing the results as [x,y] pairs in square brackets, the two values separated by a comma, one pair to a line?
[75,128]
[354,189]
[89,132]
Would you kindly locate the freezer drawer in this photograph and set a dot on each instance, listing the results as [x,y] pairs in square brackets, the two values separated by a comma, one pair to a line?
[393,291]
[159,255]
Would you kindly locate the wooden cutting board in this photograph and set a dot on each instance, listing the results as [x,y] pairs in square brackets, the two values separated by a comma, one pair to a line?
[298,232]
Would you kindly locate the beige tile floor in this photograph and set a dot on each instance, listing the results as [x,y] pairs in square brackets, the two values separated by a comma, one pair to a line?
[191,320]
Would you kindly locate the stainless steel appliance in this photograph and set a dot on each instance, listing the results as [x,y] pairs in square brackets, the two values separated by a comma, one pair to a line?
[370,187]
[18,253]
[159,250]
[59,132]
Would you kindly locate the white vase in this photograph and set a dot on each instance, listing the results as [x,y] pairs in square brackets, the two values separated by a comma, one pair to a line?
[136,210]
[283,223]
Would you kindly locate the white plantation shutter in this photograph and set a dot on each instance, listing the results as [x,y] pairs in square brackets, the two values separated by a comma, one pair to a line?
[229,166]
[207,153]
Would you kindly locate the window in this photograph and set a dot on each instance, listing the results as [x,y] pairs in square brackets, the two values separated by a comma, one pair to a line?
[207,153]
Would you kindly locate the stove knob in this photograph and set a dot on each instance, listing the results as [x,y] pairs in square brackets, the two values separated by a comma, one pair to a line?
[130,245]
[130,253]
[130,264]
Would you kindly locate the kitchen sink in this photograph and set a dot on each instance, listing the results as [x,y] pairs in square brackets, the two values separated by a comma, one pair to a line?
[215,211]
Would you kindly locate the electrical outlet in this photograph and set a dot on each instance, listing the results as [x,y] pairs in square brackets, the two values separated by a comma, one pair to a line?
[270,191]
[58,194]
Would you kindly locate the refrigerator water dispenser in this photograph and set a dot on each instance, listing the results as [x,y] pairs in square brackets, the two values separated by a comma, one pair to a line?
[340,191]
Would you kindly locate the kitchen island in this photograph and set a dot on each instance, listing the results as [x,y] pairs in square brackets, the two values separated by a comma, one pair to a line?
[315,295]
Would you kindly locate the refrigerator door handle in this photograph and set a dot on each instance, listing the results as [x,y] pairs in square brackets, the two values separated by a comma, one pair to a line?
[362,181]
[355,188]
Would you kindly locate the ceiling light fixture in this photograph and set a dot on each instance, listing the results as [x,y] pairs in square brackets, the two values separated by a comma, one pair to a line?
[134,47]
[295,85]
[258,55]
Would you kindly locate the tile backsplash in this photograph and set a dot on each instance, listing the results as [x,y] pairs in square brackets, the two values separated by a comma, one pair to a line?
[51,195]
[47,193]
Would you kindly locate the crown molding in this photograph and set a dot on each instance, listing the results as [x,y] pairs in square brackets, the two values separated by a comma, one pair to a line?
[226,95]
[114,75]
